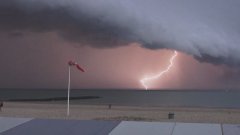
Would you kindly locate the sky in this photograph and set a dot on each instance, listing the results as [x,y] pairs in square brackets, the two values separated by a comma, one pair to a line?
[119,43]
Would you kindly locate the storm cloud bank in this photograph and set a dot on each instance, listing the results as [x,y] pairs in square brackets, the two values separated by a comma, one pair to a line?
[207,29]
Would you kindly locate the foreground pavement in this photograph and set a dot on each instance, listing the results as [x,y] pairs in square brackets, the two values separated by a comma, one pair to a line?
[29,126]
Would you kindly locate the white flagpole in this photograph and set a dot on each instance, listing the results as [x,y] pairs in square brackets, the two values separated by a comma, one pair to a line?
[69,77]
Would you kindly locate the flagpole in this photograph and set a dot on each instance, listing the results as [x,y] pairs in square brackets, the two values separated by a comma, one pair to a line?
[69,77]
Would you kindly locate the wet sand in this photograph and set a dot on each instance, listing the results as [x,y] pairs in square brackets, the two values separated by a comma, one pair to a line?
[131,113]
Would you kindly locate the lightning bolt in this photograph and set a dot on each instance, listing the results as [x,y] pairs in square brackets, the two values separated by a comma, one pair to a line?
[147,79]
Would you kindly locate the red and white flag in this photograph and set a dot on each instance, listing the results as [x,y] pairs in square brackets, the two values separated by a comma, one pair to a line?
[71,63]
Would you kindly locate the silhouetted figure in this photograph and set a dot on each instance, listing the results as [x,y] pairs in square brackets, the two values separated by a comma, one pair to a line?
[1,105]
[109,106]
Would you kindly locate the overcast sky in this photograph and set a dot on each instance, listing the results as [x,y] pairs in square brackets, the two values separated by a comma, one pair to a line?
[120,42]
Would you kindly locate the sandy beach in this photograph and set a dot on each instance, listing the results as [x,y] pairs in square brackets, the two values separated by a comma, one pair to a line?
[132,113]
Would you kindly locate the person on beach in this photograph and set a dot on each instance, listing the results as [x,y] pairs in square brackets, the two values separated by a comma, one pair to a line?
[109,106]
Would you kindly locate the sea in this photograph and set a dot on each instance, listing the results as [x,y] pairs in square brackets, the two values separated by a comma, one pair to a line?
[153,98]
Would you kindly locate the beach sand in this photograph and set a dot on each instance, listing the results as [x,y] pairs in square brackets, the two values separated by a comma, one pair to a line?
[130,113]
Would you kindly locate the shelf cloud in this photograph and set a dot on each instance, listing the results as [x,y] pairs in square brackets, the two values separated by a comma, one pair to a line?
[208,29]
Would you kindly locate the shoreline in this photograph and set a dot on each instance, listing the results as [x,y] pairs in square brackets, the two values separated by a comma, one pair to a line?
[63,101]
[48,110]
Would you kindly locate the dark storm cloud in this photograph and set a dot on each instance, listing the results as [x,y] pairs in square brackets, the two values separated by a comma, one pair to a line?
[207,29]
[40,17]
[230,61]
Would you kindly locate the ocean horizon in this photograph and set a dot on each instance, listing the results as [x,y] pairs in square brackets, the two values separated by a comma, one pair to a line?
[165,98]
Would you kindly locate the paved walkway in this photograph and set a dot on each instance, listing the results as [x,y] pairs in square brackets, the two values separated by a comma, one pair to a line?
[22,126]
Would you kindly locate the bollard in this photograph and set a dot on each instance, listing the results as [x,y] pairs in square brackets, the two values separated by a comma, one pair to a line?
[170,115]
